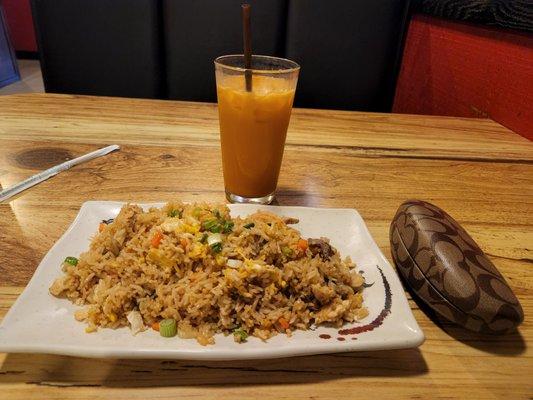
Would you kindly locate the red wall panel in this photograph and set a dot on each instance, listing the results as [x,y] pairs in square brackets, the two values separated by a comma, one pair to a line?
[20,23]
[459,69]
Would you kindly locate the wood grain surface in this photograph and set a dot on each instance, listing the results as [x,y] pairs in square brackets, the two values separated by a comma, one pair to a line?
[477,170]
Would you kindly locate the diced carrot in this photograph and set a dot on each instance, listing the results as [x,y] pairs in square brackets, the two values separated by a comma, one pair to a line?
[184,242]
[155,326]
[302,244]
[157,239]
[283,323]
[101,227]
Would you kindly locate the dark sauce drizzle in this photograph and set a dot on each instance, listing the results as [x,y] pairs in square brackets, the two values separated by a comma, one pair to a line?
[379,319]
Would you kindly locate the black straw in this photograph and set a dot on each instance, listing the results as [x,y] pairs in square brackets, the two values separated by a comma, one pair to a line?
[247,42]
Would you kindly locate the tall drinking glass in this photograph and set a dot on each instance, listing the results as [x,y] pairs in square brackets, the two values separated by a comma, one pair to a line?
[253,123]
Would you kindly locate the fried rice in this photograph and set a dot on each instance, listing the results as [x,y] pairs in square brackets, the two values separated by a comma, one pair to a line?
[211,273]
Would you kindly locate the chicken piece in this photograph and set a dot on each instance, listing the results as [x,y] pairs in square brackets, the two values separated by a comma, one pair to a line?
[136,322]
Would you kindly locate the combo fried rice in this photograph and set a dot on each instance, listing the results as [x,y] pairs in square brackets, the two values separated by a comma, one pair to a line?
[196,267]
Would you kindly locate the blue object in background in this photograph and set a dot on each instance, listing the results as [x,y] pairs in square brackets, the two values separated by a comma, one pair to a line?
[9,72]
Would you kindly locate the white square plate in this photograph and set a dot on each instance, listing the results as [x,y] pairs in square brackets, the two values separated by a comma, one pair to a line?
[41,323]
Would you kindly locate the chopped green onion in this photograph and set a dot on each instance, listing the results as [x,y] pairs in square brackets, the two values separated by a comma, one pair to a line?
[214,238]
[214,241]
[287,251]
[227,226]
[209,223]
[175,213]
[204,238]
[217,247]
[212,225]
[71,261]
[241,334]
[249,225]
[167,328]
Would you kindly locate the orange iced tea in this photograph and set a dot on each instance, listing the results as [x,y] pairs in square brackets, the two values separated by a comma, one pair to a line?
[253,127]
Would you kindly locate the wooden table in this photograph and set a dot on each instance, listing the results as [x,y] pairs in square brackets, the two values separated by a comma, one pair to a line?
[480,172]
